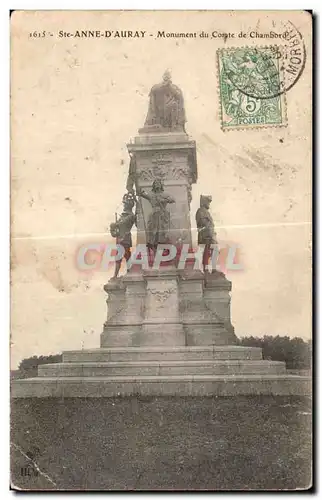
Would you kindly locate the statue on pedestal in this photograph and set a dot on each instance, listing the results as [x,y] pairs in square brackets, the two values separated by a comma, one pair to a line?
[158,225]
[166,107]
[121,229]
[206,229]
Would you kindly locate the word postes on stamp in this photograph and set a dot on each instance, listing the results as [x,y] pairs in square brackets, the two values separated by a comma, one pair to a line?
[249,84]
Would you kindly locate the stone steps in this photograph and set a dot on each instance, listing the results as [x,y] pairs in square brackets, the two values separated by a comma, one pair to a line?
[163,353]
[155,368]
[176,385]
[162,371]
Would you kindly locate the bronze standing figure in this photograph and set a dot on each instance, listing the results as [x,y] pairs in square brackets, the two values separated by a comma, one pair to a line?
[206,229]
[158,225]
[121,229]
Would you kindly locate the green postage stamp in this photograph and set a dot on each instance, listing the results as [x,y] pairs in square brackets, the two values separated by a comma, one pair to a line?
[251,87]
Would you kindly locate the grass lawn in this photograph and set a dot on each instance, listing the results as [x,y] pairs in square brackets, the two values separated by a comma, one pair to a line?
[170,443]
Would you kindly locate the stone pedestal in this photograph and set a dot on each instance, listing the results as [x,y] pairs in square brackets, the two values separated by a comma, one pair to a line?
[162,323]
[217,298]
[202,326]
[170,157]
[125,312]
[168,308]
[115,302]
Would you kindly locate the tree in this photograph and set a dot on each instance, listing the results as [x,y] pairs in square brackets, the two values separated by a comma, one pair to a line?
[28,367]
[296,352]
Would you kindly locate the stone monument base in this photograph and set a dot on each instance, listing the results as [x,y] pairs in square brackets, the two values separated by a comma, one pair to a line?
[168,307]
[167,333]
[162,371]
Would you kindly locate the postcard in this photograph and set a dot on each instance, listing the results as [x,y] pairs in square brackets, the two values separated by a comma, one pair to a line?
[161,248]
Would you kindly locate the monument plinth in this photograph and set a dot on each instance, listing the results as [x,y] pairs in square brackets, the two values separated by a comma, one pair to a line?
[170,157]
[168,329]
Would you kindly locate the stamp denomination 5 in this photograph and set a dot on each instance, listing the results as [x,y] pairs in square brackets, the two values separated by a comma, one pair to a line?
[249,83]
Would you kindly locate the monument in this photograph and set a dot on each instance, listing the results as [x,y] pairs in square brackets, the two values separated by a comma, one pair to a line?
[168,329]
